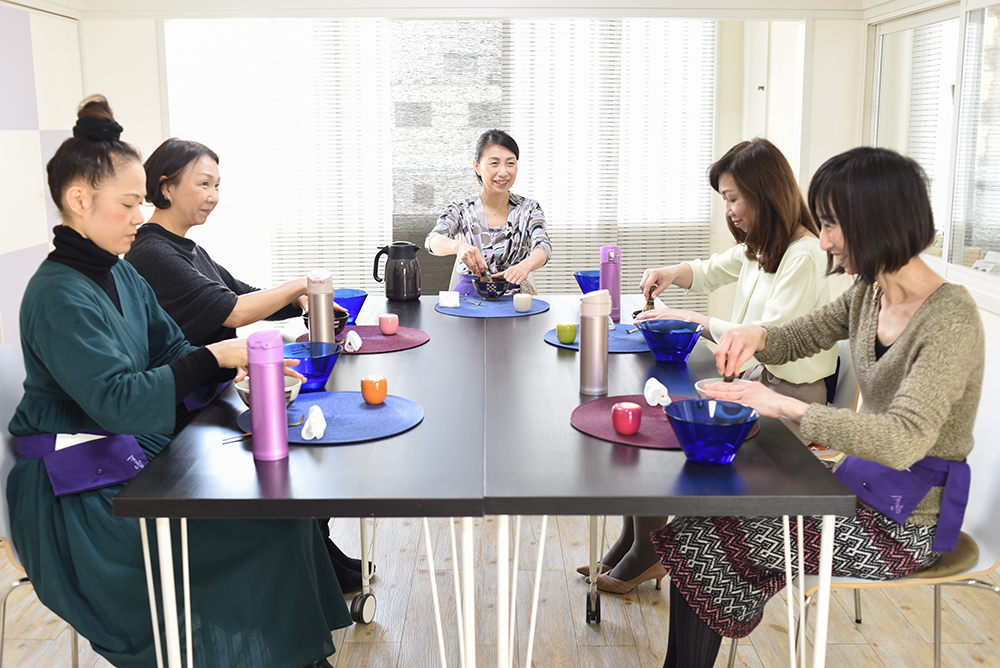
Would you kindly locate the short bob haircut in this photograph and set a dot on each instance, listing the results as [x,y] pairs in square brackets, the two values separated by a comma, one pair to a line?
[495,138]
[879,199]
[768,186]
[82,158]
[167,162]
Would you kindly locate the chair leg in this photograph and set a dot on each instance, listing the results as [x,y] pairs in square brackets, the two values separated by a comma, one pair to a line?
[937,626]
[732,653]
[3,611]
[857,606]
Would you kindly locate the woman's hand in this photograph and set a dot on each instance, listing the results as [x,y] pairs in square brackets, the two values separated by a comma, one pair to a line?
[289,371]
[755,395]
[472,258]
[737,346]
[516,274]
[230,354]
[655,281]
[670,314]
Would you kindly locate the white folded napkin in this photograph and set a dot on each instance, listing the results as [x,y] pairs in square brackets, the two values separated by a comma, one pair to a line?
[656,393]
[352,342]
[315,424]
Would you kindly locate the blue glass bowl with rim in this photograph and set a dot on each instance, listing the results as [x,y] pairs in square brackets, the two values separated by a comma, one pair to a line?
[710,431]
[670,340]
[588,280]
[352,299]
[316,361]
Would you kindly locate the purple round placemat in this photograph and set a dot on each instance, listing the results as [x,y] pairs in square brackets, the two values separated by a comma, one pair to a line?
[619,340]
[500,308]
[374,341]
[348,418]
[655,431]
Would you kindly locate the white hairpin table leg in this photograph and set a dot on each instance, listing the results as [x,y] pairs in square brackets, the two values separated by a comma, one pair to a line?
[170,621]
[823,602]
[144,532]
[503,587]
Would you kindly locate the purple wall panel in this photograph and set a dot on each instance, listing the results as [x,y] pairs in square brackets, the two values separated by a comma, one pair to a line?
[19,110]
[16,269]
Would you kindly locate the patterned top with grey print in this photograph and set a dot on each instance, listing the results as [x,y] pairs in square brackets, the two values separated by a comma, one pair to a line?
[502,247]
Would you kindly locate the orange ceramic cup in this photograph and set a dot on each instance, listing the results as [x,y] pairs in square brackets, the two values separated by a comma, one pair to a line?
[373,389]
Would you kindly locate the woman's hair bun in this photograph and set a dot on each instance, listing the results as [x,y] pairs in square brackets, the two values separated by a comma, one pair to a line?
[96,120]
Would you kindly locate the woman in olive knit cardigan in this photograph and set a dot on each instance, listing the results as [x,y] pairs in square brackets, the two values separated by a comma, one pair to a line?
[918,347]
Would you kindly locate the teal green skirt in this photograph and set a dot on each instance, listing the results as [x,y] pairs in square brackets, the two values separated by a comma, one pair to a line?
[263,592]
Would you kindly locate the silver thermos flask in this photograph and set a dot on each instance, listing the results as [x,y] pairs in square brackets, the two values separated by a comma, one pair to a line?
[322,324]
[595,307]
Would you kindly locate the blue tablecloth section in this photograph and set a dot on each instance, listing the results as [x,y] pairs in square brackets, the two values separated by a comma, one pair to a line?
[501,308]
[618,340]
[348,418]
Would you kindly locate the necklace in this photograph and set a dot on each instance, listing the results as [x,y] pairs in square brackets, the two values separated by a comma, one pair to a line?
[876,293]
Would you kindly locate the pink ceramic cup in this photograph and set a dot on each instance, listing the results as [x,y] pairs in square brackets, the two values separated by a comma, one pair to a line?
[625,417]
[388,323]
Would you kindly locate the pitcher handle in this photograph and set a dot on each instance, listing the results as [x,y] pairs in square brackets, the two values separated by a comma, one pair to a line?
[375,268]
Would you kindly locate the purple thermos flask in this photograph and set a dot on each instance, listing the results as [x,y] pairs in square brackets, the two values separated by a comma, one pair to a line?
[611,278]
[268,422]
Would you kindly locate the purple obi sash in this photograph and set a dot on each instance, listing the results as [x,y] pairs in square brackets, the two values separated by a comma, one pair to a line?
[895,494]
[102,462]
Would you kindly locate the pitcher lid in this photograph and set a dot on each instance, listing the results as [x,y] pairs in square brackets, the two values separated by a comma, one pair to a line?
[402,250]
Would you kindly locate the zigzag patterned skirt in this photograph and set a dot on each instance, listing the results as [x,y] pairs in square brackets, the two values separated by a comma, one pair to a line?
[727,568]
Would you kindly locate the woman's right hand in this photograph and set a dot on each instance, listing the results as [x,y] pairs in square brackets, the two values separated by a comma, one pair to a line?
[737,346]
[655,281]
[472,258]
[230,354]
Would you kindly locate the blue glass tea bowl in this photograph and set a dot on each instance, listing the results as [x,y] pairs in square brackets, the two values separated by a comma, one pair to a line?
[316,362]
[352,299]
[589,280]
[670,340]
[710,431]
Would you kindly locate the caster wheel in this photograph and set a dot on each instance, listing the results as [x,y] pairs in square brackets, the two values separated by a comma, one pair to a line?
[594,609]
[363,608]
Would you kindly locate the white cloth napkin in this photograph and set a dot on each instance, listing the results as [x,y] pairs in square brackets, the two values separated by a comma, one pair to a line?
[315,424]
[352,342]
[656,393]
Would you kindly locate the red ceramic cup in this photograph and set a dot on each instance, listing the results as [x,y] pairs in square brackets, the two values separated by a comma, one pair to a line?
[388,323]
[626,416]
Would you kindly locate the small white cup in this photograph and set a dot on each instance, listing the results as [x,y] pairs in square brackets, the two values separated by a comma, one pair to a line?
[448,299]
[522,302]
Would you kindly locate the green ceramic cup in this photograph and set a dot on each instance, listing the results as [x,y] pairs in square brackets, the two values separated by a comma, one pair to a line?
[566,332]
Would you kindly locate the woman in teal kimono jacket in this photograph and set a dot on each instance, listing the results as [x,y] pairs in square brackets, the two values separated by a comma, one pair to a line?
[99,352]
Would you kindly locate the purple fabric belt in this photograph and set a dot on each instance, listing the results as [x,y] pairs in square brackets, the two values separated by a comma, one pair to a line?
[895,494]
[102,462]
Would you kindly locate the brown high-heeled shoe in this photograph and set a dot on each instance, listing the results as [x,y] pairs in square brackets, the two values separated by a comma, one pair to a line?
[585,570]
[615,586]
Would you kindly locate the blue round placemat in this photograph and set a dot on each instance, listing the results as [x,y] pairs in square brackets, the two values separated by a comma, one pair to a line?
[348,418]
[618,340]
[501,308]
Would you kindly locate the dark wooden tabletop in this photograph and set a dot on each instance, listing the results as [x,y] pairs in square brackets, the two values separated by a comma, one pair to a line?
[495,439]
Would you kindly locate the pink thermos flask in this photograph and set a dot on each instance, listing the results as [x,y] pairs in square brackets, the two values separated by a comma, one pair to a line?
[268,422]
[611,278]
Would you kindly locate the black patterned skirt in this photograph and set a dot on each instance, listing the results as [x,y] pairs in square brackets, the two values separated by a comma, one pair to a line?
[727,568]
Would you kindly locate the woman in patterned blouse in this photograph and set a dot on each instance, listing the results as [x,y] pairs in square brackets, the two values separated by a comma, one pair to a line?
[496,232]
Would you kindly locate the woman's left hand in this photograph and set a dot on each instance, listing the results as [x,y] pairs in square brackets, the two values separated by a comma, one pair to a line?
[516,274]
[289,371]
[755,395]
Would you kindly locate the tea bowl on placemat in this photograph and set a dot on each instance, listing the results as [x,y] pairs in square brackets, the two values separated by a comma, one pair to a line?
[339,318]
[316,361]
[495,288]
[700,386]
[292,387]
[670,340]
[710,431]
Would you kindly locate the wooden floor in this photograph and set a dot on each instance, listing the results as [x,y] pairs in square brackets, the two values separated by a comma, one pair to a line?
[897,630]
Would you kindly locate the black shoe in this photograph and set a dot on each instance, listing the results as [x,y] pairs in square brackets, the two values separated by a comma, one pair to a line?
[349,578]
[338,558]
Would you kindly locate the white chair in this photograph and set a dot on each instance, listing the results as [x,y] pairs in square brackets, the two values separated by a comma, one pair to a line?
[11,389]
